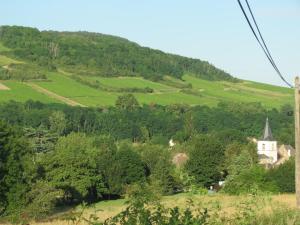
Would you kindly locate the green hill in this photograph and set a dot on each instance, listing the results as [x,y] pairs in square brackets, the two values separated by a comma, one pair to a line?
[89,69]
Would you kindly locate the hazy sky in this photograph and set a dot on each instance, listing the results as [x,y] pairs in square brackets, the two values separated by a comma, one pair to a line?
[209,30]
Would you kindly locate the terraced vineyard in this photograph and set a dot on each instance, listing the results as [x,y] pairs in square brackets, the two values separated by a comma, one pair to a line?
[61,87]
[202,92]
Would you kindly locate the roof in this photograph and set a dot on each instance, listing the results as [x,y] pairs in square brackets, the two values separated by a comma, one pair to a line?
[267,135]
[287,148]
[263,156]
[179,159]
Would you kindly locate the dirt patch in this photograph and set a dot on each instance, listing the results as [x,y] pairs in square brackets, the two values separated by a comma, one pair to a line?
[54,95]
[3,87]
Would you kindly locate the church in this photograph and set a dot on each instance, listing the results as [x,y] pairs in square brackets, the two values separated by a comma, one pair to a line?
[268,152]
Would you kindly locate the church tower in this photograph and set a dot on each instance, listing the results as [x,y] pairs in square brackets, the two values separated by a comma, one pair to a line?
[267,146]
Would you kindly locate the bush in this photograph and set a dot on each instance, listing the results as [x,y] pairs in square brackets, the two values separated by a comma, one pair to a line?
[284,176]
[245,176]
[42,200]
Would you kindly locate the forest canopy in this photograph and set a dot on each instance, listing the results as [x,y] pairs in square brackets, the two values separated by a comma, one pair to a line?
[97,54]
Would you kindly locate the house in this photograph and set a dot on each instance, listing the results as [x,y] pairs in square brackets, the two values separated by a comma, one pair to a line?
[284,153]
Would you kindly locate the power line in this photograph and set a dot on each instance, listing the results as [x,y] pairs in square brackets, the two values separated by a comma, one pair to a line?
[263,43]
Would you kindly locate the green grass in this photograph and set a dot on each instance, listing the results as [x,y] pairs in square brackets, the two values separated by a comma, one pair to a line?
[271,96]
[269,87]
[67,87]
[175,98]
[203,92]
[132,82]
[227,205]
[21,92]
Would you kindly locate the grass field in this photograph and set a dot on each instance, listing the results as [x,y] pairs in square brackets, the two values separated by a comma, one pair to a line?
[227,205]
[65,86]
[268,95]
[21,92]
[133,82]
[169,91]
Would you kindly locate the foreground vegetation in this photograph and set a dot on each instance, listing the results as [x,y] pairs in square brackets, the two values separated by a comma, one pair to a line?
[143,206]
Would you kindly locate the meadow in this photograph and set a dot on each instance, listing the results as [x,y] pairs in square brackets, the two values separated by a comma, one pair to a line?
[21,92]
[222,204]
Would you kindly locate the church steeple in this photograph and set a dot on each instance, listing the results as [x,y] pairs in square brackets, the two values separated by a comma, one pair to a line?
[267,136]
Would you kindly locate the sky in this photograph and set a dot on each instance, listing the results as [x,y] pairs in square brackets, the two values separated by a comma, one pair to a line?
[215,31]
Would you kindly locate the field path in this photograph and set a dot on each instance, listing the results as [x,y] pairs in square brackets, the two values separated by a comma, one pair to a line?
[3,87]
[54,95]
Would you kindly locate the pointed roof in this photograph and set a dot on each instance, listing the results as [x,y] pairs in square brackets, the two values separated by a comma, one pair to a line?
[267,136]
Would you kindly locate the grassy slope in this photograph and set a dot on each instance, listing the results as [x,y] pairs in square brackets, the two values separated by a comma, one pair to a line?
[133,82]
[206,92]
[65,86]
[169,91]
[268,95]
[21,92]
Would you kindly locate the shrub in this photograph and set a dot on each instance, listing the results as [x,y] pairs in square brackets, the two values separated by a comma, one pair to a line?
[284,176]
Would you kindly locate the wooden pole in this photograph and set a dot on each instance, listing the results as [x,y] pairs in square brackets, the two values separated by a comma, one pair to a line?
[297,141]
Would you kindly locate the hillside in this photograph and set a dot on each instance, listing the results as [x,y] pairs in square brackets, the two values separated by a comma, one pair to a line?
[89,69]
[101,55]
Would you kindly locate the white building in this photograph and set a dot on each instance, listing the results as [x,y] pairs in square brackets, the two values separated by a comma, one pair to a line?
[267,146]
[171,143]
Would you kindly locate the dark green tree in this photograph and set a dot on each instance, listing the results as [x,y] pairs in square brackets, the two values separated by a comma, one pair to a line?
[131,166]
[206,158]
[284,176]
[127,102]
[15,157]
[72,167]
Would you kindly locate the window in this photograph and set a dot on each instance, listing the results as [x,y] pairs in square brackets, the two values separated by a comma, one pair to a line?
[263,146]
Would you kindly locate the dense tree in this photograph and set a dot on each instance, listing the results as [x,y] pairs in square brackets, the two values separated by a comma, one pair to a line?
[58,122]
[131,166]
[15,157]
[72,168]
[234,149]
[284,176]
[162,172]
[205,159]
[245,176]
[127,102]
